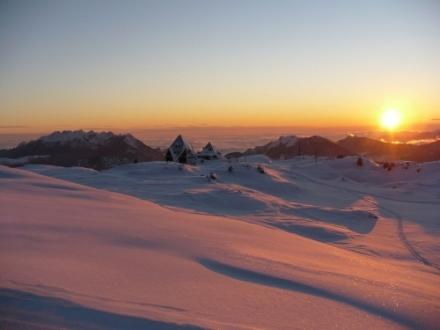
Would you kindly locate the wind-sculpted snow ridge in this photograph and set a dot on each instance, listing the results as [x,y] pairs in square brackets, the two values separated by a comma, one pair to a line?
[274,198]
[332,201]
[295,245]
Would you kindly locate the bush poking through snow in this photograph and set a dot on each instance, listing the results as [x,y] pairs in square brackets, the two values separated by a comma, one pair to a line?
[360,162]
[260,169]
[388,166]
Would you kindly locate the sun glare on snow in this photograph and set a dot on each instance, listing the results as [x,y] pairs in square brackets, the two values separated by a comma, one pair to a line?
[390,119]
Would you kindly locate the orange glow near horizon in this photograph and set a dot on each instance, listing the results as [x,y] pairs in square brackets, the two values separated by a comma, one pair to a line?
[390,119]
[228,117]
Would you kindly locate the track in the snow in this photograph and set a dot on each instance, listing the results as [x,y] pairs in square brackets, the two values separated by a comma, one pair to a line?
[400,228]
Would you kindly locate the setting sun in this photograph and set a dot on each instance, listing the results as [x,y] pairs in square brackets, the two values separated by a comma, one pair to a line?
[391,119]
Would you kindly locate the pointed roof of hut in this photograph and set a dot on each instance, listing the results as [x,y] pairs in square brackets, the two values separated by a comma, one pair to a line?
[209,150]
[178,147]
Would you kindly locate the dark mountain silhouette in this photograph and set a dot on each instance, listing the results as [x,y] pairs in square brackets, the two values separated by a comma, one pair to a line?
[88,149]
[291,146]
[391,151]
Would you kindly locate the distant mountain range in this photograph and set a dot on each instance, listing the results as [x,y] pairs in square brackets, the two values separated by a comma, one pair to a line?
[291,146]
[379,150]
[105,149]
[88,149]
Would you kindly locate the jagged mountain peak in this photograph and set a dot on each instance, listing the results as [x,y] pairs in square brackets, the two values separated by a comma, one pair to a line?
[91,137]
[98,150]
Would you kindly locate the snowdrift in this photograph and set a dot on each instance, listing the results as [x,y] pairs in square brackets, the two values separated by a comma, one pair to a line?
[78,257]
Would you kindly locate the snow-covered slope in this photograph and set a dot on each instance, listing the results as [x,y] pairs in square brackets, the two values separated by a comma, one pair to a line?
[78,257]
[279,195]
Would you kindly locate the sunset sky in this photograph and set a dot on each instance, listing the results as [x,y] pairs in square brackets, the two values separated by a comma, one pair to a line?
[74,64]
